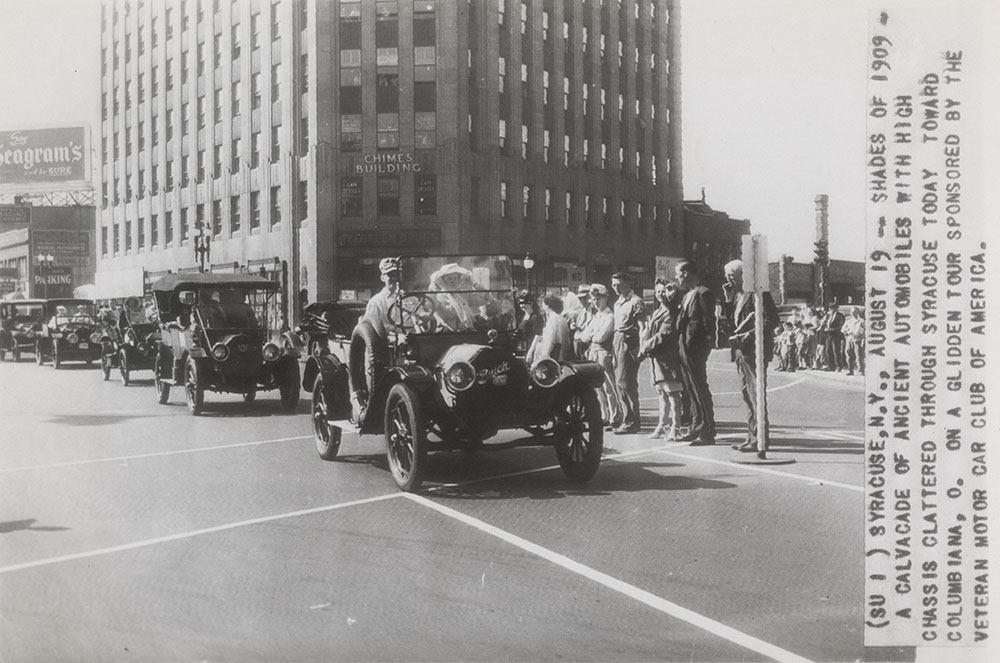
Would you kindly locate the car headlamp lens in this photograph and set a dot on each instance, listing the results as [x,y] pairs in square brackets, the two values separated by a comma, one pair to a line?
[220,351]
[143,348]
[73,338]
[271,352]
[95,337]
[460,376]
[545,373]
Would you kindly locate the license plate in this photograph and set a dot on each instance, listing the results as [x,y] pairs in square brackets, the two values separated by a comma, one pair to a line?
[84,346]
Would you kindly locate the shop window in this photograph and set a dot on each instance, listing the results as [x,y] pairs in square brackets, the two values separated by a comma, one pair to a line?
[388,195]
[425,195]
[351,198]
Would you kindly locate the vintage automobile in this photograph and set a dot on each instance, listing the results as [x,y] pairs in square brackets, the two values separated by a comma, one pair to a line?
[71,333]
[130,340]
[446,374]
[216,335]
[20,322]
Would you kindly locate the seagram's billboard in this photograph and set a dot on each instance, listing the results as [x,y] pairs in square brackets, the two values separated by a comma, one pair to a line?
[51,158]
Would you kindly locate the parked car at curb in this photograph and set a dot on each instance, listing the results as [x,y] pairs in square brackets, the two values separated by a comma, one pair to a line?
[216,334]
[447,375]
[71,333]
[20,322]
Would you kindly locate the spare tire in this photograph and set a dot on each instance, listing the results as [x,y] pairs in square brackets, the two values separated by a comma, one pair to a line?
[368,358]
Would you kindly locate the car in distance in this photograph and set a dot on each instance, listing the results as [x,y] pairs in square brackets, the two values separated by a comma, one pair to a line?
[216,335]
[447,375]
[71,333]
[20,322]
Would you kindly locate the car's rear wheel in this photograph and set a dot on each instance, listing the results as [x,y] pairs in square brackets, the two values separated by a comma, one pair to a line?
[3,355]
[123,367]
[326,436]
[194,388]
[579,434]
[161,387]
[406,438]
[106,366]
[289,387]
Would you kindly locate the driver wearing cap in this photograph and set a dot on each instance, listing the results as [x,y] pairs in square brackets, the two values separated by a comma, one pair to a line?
[377,311]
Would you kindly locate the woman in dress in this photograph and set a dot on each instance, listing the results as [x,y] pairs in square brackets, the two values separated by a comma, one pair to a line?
[660,344]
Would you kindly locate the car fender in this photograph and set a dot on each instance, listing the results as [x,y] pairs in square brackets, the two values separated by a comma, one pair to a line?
[588,372]
[326,365]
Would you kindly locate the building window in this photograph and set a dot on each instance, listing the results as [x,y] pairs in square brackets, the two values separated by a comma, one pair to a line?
[275,145]
[254,210]
[524,141]
[425,194]
[388,195]
[566,150]
[351,199]
[502,68]
[545,146]
[254,31]
[170,175]
[234,214]
[605,215]
[234,35]
[154,230]
[254,150]
[104,240]
[168,227]
[117,238]
[275,88]
[234,152]
[303,200]
[524,17]
[548,205]
[275,206]
[525,202]
[504,207]
[217,218]
[255,90]
[569,208]
[184,224]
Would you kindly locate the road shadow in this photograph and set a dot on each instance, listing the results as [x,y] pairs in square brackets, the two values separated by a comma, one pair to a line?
[259,408]
[72,367]
[813,446]
[95,419]
[29,524]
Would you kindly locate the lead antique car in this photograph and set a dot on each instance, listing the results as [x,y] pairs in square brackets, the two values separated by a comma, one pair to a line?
[71,333]
[216,335]
[20,322]
[448,374]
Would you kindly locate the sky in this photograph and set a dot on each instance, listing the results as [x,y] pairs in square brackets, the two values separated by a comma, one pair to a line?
[772,102]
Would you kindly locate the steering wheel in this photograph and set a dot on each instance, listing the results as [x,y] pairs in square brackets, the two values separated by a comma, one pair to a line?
[416,311]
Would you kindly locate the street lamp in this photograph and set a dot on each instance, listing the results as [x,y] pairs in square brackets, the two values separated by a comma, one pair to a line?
[529,264]
[45,261]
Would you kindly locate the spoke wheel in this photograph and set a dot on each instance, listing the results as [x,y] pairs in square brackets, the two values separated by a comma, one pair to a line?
[194,388]
[579,434]
[406,438]
[123,367]
[161,387]
[326,436]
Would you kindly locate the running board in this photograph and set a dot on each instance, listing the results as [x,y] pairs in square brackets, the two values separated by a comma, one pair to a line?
[345,425]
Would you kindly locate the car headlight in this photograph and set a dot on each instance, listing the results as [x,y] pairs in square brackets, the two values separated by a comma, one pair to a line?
[545,373]
[460,376]
[73,338]
[220,351]
[143,349]
[95,337]
[271,352]
[30,333]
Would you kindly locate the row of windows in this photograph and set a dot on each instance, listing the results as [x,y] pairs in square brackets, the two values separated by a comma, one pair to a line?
[197,223]
[388,193]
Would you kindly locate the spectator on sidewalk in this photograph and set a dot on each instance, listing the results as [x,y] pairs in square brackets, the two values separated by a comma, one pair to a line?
[598,336]
[854,335]
[630,319]
[695,329]
[659,343]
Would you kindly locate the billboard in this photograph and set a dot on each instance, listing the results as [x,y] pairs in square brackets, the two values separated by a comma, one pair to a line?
[45,159]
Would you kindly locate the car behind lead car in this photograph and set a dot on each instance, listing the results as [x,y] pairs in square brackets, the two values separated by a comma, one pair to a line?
[20,321]
[215,335]
[450,375]
[71,333]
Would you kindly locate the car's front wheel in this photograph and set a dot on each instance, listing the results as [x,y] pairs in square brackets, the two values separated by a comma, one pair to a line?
[326,436]
[161,387]
[194,388]
[123,367]
[579,434]
[406,437]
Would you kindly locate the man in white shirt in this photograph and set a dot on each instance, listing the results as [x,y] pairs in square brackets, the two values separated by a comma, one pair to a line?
[377,311]
[598,336]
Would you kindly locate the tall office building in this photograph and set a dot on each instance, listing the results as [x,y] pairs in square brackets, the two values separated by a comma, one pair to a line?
[330,133]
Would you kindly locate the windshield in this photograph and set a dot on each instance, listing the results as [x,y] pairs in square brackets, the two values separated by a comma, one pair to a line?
[456,294]
[26,312]
[79,313]
[232,308]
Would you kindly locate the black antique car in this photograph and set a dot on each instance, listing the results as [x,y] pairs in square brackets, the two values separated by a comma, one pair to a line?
[130,339]
[20,322]
[71,333]
[446,374]
[216,334]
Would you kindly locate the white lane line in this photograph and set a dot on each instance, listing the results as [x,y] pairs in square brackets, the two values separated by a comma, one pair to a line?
[188,535]
[631,591]
[765,470]
[738,393]
[156,454]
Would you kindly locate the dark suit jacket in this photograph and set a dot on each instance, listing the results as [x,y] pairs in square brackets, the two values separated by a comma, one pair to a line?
[743,321]
[696,322]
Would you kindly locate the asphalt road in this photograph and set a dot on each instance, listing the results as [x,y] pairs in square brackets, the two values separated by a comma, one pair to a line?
[130,530]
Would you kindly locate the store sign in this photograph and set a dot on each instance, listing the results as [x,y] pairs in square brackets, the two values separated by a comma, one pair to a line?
[665,266]
[390,237]
[56,158]
[61,243]
[14,215]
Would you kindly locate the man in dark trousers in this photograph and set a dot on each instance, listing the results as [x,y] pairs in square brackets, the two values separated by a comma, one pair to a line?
[740,310]
[833,324]
[695,330]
